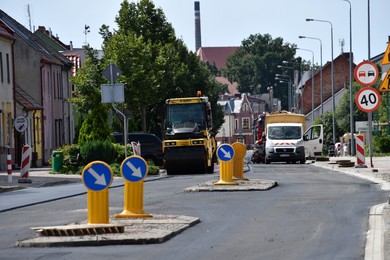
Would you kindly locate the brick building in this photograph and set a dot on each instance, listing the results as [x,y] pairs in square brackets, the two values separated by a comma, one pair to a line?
[341,84]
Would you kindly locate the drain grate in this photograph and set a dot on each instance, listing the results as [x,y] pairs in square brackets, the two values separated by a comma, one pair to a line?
[79,230]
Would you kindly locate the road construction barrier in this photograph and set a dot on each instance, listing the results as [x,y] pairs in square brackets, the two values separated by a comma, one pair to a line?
[134,170]
[225,153]
[136,148]
[97,176]
[25,164]
[360,159]
[9,168]
[238,160]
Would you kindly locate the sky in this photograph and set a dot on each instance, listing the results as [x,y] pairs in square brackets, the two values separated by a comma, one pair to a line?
[226,22]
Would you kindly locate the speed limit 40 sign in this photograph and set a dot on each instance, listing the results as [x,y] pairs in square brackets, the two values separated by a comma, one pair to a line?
[368,99]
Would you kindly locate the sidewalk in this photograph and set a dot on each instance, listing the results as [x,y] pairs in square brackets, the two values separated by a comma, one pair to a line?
[40,177]
[378,238]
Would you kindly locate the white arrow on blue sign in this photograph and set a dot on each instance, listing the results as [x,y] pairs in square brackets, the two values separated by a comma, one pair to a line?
[97,176]
[134,168]
[225,152]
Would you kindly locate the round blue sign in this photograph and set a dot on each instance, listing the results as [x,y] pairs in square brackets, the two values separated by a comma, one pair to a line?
[134,168]
[225,152]
[97,176]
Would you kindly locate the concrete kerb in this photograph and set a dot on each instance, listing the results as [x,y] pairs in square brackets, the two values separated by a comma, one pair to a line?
[157,229]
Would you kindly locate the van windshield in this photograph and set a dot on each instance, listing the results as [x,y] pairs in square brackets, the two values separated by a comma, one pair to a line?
[284,132]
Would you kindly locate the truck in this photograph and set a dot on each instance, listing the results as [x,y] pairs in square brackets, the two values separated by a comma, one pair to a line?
[285,138]
[189,145]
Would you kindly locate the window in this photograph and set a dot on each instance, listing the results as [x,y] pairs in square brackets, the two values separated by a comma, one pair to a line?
[245,107]
[314,133]
[8,69]
[1,67]
[236,124]
[245,123]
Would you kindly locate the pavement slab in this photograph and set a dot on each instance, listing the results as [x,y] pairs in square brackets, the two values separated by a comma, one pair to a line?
[242,185]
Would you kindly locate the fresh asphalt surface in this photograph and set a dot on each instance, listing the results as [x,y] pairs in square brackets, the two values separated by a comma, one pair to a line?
[233,225]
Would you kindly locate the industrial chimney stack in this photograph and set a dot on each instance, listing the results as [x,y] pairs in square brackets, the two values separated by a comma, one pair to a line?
[198,36]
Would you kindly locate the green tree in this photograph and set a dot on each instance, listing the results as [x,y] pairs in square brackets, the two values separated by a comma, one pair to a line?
[155,64]
[327,121]
[383,113]
[254,64]
[343,110]
[87,99]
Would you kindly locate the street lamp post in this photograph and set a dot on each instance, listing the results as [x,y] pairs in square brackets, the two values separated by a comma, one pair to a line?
[271,97]
[289,94]
[369,114]
[332,74]
[289,87]
[293,91]
[312,83]
[321,87]
[350,82]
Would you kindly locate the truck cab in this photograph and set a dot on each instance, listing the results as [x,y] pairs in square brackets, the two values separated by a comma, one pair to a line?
[286,139]
[285,143]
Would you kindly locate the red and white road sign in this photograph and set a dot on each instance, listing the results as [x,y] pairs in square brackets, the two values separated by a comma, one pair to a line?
[366,73]
[368,99]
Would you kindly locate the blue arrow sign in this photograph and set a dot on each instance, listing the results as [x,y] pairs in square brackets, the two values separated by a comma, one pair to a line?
[134,168]
[225,152]
[97,176]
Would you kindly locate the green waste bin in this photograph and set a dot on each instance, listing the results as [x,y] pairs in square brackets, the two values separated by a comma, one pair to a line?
[56,163]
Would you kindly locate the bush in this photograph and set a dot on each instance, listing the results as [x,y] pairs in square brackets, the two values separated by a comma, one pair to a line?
[77,157]
[153,170]
[382,143]
[98,151]
[120,150]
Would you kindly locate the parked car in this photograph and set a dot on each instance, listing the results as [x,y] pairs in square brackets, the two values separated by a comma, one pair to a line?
[151,145]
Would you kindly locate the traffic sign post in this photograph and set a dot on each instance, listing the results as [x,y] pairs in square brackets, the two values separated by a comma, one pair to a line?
[368,99]
[97,176]
[21,124]
[112,93]
[238,160]
[366,74]
[134,170]
[385,85]
[225,153]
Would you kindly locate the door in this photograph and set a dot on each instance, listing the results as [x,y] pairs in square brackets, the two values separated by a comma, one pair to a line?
[314,141]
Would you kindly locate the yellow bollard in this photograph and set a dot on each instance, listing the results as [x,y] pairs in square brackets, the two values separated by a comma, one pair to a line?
[225,153]
[97,176]
[98,212]
[238,161]
[133,169]
[133,201]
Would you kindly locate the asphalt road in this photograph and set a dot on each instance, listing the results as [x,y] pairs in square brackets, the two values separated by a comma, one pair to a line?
[314,213]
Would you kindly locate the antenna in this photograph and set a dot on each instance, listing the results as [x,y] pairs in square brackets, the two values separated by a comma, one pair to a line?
[342,43]
[29,16]
[86,31]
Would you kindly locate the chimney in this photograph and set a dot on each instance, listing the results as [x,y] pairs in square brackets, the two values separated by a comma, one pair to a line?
[198,36]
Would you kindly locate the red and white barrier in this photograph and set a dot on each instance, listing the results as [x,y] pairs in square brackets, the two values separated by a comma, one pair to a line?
[25,165]
[136,148]
[9,168]
[360,159]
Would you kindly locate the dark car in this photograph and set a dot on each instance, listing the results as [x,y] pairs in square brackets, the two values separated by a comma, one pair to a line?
[151,145]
